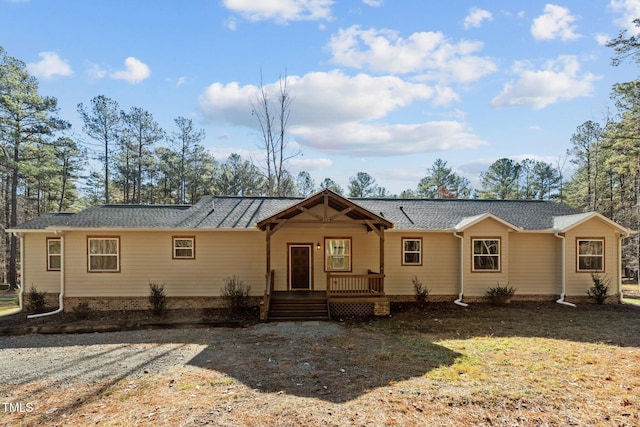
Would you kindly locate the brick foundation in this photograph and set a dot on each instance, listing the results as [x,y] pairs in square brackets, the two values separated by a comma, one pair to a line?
[142,303]
[381,308]
[582,299]
[51,300]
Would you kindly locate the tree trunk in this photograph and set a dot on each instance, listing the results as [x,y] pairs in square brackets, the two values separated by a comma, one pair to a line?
[106,171]
[12,273]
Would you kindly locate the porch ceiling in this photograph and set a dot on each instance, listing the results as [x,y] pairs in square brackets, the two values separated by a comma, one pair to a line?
[330,200]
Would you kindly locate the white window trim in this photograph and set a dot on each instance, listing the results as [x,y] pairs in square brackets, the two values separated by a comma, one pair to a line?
[474,255]
[404,251]
[192,239]
[90,255]
[346,255]
[49,254]
[578,255]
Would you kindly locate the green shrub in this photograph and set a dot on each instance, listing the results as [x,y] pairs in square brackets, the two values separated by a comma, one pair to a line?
[500,294]
[82,311]
[421,293]
[600,288]
[235,293]
[157,298]
[36,300]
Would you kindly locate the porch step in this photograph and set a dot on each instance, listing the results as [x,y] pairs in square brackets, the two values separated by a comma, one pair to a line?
[298,309]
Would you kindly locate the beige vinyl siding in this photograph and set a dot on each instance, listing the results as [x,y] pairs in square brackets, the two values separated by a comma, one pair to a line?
[476,283]
[439,271]
[35,264]
[147,256]
[579,282]
[364,245]
[364,251]
[535,263]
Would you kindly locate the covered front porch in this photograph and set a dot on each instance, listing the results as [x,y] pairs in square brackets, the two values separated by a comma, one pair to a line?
[326,244]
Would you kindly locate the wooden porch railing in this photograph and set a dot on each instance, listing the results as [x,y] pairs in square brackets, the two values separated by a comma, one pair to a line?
[266,299]
[371,284]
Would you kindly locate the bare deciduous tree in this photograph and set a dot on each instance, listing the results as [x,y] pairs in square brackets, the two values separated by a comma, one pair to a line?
[273,119]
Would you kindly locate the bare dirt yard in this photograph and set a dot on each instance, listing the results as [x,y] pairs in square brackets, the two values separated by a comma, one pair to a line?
[526,364]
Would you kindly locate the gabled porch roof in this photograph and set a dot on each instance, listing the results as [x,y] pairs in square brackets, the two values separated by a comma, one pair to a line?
[335,208]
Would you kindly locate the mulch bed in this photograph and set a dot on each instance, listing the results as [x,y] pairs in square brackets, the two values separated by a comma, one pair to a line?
[122,320]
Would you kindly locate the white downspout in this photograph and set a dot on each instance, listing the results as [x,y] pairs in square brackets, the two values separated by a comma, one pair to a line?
[61,296]
[459,300]
[564,271]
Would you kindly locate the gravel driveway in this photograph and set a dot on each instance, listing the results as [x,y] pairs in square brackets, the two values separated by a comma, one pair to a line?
[60,359]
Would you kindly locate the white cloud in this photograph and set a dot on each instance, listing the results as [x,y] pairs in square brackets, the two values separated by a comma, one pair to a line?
[228,103]
[555,23]
[334,112]
[310,165]
[281,11]
[373,3]
[176,83]
[476,16]
[49,66]
[135,71]
[231,24]
[630,10]
[602,38]
[558,80]
[427,53]
[321,98]
[95,72]
[327,98]
[359,139]
[221,154]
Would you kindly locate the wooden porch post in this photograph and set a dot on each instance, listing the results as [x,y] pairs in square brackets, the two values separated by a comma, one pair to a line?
[268,248]
[382,258]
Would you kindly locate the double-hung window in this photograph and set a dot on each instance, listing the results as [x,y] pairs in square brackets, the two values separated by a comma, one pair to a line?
[54,254]
[103,254]
[590,255]
[411,251]
[337,254]
[486,255]
[184,247]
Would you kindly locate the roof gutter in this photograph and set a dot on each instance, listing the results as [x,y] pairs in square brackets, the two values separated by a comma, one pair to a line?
[61,295]
[564,270]
[459,300]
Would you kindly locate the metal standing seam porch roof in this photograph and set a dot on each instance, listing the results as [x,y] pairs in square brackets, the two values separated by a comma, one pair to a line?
[234,213]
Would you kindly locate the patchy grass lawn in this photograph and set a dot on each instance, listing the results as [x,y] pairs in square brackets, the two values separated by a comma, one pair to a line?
[523,365]
[631,293]
[8,302]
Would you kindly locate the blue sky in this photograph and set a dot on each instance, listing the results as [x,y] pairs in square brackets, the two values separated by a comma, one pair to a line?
[379,86]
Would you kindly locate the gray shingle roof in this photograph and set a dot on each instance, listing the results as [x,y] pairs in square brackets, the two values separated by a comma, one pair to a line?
[222,212]
[445,214]
[47,220]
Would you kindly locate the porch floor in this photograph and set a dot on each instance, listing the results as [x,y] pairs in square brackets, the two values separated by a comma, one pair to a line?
[299,294]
